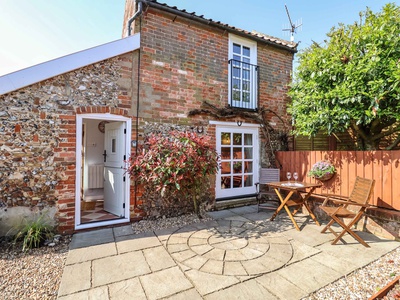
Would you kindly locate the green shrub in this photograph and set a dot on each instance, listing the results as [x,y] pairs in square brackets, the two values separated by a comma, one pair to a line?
[34,232]
[177,165]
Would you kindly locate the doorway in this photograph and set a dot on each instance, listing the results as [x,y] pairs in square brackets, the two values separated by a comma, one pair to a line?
[239,152]
[102,184]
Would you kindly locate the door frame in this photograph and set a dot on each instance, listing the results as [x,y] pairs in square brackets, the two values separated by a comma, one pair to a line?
[78,166]
[243,127]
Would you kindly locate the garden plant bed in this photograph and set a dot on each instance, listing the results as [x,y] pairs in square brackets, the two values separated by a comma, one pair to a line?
[390,291]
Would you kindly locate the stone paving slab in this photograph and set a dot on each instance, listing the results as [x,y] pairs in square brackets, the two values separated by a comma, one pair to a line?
[165,283]
[90,253]
[129,243]
[75,278]
[127,289]
[280,286]
[309,275]
[239,255]
[92,238]
[245,290]
[115,268]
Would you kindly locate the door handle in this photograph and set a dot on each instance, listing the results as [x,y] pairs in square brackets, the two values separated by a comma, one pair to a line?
[105,155]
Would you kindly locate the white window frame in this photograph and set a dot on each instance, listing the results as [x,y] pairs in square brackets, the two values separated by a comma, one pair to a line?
[253,60]
[244,128]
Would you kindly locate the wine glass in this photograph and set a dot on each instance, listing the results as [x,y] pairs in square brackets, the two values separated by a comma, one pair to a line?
[288,175]
[295,176]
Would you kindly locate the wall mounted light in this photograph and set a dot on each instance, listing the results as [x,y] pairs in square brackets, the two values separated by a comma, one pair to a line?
[239,123]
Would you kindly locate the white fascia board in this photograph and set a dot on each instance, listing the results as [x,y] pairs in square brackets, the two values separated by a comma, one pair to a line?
[25,77]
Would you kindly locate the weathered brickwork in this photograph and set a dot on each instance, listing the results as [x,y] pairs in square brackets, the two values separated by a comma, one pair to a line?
[181,66]
[38,134]
[185,63]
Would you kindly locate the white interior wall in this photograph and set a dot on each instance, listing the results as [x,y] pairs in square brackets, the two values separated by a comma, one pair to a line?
[94,147]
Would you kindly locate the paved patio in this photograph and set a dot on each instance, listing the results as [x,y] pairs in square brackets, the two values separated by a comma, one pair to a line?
[238,255]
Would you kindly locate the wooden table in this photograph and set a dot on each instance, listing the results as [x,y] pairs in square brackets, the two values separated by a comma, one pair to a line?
[302,189]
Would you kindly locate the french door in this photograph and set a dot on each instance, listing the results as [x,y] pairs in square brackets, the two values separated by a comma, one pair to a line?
[239,151]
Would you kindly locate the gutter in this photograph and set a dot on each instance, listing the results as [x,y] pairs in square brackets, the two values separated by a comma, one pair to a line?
[137,13]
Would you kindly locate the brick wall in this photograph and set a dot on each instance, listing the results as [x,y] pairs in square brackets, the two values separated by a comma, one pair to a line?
[184,63]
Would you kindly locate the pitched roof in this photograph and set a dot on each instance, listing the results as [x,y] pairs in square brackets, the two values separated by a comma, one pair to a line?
[22,78]
[291,46]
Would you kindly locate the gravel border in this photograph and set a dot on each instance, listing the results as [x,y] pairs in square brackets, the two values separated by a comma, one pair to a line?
[36,274]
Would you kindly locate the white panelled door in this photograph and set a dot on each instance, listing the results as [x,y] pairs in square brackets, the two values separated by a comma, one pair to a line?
[114,171]
[239,151]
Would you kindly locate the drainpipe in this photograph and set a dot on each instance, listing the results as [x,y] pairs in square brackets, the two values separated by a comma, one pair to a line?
[137,13]
[130,21]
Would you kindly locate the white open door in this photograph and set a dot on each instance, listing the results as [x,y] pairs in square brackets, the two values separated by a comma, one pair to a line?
[114,171]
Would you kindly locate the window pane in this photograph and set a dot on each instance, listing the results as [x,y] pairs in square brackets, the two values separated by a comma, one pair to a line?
[113,146]
[248,180]
[226,168]
[246,74]
[248,139]
[237,139]
[246,86]
[225,182]
[236,48]
[237,167]
[225,140]
[246,97]
[248,152]
[237,181]
[246,51]
[237,152]
[236,60]
[236,83]
[246,62]
[236,72]
[248,167]
[236,96]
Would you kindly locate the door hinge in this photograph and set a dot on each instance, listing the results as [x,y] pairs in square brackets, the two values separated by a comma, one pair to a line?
[124,178]
[125,131]
[124,157]
[123,205]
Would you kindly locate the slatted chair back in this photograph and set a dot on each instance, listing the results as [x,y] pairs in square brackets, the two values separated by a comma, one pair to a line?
[362,191]
[266,175]
[269,175]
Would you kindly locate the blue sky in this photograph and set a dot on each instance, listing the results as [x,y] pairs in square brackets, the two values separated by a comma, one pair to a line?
[34,31]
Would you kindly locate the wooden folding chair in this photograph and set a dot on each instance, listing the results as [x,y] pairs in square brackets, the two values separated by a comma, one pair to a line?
[358,200]
[264,194]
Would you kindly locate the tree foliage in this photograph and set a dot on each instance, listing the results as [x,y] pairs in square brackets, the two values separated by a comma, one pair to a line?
[178,164]
[352,82]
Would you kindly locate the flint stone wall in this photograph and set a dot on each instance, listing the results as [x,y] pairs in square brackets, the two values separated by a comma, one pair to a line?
[38,132]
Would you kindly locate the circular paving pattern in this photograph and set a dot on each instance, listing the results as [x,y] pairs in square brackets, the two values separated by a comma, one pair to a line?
[229,248]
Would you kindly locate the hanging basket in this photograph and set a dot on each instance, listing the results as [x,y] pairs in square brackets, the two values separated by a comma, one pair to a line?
[325,177]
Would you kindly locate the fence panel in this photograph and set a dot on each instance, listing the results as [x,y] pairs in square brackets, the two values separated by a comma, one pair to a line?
[383,166]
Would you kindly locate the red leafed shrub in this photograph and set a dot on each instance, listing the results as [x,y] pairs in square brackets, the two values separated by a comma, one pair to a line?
[177,165]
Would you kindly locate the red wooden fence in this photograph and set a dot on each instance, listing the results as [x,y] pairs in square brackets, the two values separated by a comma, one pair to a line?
[383,166]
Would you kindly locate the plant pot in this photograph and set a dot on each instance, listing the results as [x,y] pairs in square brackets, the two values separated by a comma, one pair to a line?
[325,177]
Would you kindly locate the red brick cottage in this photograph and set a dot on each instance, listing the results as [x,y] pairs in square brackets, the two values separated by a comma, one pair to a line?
[67,125]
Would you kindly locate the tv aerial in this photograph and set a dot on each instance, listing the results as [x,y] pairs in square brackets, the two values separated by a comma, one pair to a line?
[293,26]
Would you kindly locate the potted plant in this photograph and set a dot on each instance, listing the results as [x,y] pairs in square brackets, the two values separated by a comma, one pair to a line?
[322,170]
